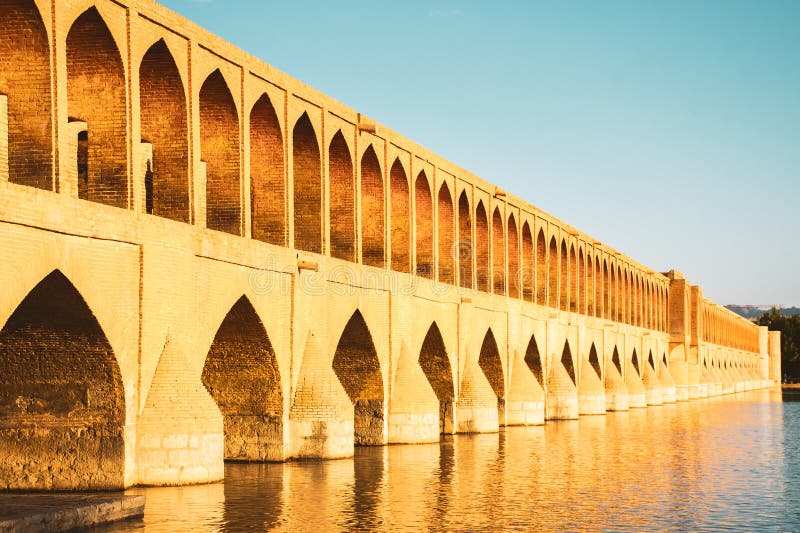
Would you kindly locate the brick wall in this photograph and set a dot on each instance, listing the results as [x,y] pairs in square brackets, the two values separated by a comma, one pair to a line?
[372,210]
[423,226]
[164,125]
[219,142]
[97,96]
[267,174]
[401,219]
[446,223]
[342,204]
[307,187]
[25,78]
[62,406]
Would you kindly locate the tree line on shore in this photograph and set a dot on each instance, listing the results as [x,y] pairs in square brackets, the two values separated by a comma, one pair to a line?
[789,326]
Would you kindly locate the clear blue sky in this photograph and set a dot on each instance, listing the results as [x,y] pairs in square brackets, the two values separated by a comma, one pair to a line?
[667,129]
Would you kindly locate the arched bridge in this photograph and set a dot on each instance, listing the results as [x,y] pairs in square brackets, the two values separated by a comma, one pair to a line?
[204,259]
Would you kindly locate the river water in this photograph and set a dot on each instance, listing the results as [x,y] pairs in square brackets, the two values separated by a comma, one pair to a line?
[729,463]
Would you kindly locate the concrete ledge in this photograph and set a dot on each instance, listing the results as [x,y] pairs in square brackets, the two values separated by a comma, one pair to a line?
[64,512]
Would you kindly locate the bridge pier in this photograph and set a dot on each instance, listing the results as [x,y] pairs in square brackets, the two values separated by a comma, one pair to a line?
[591,393]
[414,417]
[525,404]
[652,385]
[669,390]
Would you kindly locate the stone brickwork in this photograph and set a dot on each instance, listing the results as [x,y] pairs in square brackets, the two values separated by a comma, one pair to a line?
[205,259]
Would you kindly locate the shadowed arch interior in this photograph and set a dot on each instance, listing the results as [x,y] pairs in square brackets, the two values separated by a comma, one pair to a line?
[598,289]
[401,218]
[552,262]
[513,258]
[342,203]
[436,365]
[241,373]
[564,280]
[664,360]
[372,217]
[534,360]
[635,361]
[447,254]
[616,361]
[62,401]
[528,259]
[590,306]
[96,94]
[465,244]
[423,226]
[498,254]
[573,280]
[566,360]
[219,149]
[492,367]
[25,79]
[482,265]
[164,125]
[650,361]
[307,174]
[541,269]
[267,174]
[357,366]
[595,362]
[581,270]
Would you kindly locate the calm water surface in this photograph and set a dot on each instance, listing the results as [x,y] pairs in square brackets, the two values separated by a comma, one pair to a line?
[729,463]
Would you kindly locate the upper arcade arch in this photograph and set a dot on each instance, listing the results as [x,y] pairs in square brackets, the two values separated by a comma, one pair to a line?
[25,79]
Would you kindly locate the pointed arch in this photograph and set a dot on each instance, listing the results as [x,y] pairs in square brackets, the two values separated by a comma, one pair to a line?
[357,366]
[566,360]
[96,95]
[606,291]
[619,292]
[563,301]
[627,295]
[616,361]
[552,278]
[541,269]
[372,210]
[423,225]
[612,293]
[465,245]
[635,362]
[25,79]
[162,106]
[489,361]
[446,219]
[219,149]
[307,175]
[599,284]
[435,365]
[650,360]
[267,174]
[534,360]
[401,218]
[513,258]
[528,262]
[61,419]
[241,374]
[498,253]
[492,367]
[589,288]
[595,361]
[482,265]
[581,270]
[573,280]
[342,207]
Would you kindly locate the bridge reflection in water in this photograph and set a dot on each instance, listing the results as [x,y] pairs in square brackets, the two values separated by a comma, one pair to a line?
[631,470]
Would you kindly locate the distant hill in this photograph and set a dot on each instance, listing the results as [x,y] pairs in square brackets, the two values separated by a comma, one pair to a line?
[753,312]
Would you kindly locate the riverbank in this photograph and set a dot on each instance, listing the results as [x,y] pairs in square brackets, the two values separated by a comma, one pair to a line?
[65,512]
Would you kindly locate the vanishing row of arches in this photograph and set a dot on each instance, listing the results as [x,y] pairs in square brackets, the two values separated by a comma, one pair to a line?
[723,327]
[382,219]
[60,370]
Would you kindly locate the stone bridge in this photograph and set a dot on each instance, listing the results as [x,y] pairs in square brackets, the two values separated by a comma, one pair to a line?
[205,259]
